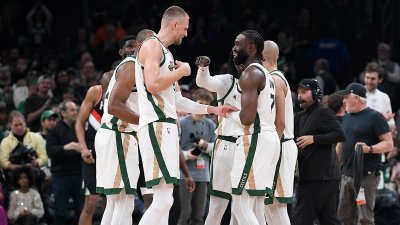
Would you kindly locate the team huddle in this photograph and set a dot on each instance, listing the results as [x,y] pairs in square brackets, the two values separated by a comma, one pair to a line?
[254,155]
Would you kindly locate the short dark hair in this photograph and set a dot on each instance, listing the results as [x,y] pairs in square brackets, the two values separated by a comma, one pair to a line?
[17,173]
[203,94]
[124,39]
[335,102]
[375,67]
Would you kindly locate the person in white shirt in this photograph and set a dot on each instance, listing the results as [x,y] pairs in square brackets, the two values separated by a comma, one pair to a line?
[377,99]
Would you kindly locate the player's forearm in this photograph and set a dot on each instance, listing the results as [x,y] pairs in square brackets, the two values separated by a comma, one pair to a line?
[80,133]
[122,112]
[186,105]
[204,80]
[162,81]
[182,164]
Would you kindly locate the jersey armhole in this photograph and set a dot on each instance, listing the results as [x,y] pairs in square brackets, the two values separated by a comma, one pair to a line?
[227,93]
[276,73]
[162,50]
[100,96]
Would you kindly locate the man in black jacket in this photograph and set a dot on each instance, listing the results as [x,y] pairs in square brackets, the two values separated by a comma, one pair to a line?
[66,163]
[316,129]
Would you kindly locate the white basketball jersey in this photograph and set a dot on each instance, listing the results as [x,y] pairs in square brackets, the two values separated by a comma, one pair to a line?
[265,117]
[110,120]
[288,133]
[155,107]
[226,126]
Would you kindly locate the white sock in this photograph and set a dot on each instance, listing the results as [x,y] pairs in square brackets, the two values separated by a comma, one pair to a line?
[216,210]
[242,208]
[119,209]
[259,210]
[159,208]
[123,210]
[108,211]
[277,214]
[233,220]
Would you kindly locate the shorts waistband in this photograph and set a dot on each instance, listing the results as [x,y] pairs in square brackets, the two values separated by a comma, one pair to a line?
[115,128]
[286,139]
[227,138]
[166,120]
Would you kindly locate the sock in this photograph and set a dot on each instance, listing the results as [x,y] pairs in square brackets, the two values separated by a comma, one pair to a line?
[159,208]
[276,213]
[242,208]
[216,210]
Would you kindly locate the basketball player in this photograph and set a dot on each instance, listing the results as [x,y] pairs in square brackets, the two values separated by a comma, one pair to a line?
[257,147]
[159,99]
[276,211]
[220,187]
[91,110]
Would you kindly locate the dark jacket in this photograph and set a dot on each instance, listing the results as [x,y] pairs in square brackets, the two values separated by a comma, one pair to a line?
[63,162]
[318,161]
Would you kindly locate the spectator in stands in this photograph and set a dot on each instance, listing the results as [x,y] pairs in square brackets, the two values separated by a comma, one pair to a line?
[83,42]
[39,20]
[48,120]
[26,206]
[6,90]
[335,102]
[89,75]
[37,103]
[3,212]
[326,81]
[66,163]
[196,131]
[377,99]
[391,83]
[3,121]
[23,140]
[368,128]
[20,70]
[62,82]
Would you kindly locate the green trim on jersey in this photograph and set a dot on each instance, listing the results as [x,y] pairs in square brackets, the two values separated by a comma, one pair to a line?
[160,160]
[270,199]
[157,109]
[221,100]
[163,60]
[210,188]
[121,161]
[257,127]
[246,170]
[115,128]
[238,90]
[279,74]
[227,138]
[115,191]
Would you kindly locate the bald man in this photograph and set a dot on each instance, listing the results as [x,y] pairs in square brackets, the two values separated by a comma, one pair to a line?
[276,207]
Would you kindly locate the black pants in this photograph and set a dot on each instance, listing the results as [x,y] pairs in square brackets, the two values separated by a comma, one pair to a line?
[26,220]
[176,207]
[316,200]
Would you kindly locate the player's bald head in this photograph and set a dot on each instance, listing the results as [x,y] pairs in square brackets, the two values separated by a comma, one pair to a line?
[173,13]
[271,50]
[144,34]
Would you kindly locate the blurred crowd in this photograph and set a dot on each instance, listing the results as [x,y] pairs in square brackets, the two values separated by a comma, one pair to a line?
[48,58]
